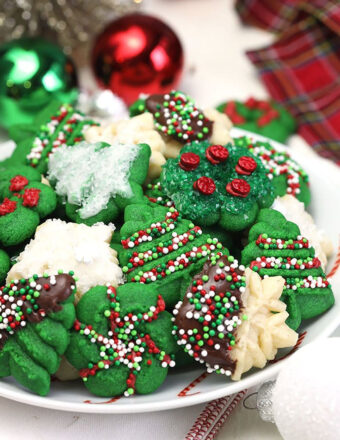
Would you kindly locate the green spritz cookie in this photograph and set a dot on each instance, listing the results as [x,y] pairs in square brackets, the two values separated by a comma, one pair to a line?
[286,175]
[5,265]
[276,247]
[267,118]
[97,181]
[161,248]
[24,202]
[215,184]
[34,334]
[122,341]
[55,126]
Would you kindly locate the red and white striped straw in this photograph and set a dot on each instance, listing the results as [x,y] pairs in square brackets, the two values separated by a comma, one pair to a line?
[213,417]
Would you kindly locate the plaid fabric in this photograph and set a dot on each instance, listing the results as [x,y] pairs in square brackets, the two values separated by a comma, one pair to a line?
[301,69]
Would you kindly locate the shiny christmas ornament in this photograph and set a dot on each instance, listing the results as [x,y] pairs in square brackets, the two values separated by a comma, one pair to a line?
[32,72]
[137,54]
[305,400]
[70,23]
[103,106]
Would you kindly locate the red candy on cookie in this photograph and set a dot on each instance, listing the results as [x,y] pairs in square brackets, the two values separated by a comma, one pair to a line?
[205,185]
[217,154]
[238,188]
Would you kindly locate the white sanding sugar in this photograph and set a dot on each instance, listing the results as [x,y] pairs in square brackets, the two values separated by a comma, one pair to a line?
[88,176]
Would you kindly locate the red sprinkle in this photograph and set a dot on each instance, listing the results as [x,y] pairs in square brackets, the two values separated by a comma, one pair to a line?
[189,161]
[7,206]
[18,183]
[205,185]
[31,197]
[216,154]
[238,188]
[246,165]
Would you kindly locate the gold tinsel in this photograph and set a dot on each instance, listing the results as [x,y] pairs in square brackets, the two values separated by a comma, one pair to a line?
[72,24]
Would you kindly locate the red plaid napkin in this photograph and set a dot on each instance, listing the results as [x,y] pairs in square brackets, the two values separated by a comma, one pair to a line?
[301,69]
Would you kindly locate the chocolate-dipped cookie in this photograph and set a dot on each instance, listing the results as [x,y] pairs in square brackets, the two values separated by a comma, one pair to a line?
[225,319]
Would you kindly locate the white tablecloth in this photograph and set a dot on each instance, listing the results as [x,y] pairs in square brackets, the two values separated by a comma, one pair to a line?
[216,70]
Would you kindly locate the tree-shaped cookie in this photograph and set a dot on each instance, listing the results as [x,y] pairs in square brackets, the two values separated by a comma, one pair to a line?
[159,247]
[55,125]
[24,202]
[122,342]
[213,184]
[226,318]
[286,174]
[276,247]
[35,315]
[97,181]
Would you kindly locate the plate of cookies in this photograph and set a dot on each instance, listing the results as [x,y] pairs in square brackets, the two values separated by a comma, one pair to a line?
[159,261]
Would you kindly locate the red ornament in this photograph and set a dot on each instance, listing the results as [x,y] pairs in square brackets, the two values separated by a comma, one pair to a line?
[136,54]
[217,154]
[189,161]
[205,185]
[238,188]
[246,165]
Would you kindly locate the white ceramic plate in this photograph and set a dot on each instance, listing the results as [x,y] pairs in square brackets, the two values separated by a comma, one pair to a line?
[186,388]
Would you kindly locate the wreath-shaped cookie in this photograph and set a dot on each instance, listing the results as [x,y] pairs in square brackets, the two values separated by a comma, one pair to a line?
[34,334]
[267,118]
[24,202]
[122,342]
[217,184]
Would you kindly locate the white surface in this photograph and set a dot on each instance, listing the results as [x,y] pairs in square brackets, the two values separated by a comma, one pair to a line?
[216,70]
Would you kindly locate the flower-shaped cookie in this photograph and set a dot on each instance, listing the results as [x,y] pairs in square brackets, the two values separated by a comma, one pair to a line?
[226,318]
[276,247]
[35,315]
[24,201]
[122,342]
[217,184]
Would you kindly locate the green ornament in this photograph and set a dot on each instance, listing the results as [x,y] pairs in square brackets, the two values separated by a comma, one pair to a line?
[32,72]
